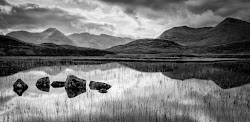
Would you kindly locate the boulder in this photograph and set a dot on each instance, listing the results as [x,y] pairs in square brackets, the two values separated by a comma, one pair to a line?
[103,91]
[74,86]
[99,86]
[20,87]
[43,84]
[58,84]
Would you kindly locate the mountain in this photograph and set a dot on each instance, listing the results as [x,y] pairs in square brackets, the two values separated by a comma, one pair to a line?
[231,36]
[232,48]
[10,46]
[50,35]
[228,31]
[148,46]
[102,41]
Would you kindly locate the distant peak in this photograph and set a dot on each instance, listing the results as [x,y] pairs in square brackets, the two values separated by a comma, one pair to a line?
[85,33]
[50,30]
[230,20]
[184,26]
[105,35]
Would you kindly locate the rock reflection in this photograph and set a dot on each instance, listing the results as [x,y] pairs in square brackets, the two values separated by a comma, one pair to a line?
[43,84]
[101,87]
[74,86]
[20,87]
[58,84]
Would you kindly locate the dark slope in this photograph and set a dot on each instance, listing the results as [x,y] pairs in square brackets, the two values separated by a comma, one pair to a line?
[148,46]
[50,35]
[184,35]
[102,41]
[10,46]
[232,48]
[228,31]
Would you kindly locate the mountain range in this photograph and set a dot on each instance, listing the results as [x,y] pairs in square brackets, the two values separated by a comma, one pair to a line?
[10,46]
[53,35]
[228,31]
[102,41]
[50,35]
[231,36]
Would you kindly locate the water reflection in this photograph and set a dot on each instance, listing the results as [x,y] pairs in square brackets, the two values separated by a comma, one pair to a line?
[135,95]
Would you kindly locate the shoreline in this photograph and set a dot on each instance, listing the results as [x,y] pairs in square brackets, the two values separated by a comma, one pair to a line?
[111,59]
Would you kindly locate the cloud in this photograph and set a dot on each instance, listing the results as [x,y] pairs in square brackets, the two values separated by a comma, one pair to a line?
[132,14]
[3,2]
[155,4]
[223,8]
[29,16]
[96,28]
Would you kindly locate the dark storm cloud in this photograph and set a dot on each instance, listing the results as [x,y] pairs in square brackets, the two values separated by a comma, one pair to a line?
[223,8]
[3,2]
[220,7]
[34,16]
[155,4]
[132,13]
[171,6]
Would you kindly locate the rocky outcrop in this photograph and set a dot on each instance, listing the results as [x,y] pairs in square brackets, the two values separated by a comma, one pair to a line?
[43,84]
[20,87]
[74,86]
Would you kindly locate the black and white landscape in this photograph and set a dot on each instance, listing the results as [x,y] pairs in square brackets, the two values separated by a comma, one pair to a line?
[123,60]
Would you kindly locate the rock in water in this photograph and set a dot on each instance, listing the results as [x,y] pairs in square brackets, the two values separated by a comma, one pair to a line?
[102,87]
[20,87]
[103,91]
[58,84]
[43,84]
[74,86]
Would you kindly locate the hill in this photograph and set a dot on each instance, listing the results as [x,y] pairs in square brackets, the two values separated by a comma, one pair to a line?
[148,46]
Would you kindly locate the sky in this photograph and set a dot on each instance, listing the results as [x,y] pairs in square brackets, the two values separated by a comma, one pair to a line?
[124,18]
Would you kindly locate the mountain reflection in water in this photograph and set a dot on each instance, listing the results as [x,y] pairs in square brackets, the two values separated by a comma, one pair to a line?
[139,92]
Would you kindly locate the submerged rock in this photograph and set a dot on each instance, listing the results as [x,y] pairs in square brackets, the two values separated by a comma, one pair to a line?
[102,87]
[74,86]
[58,84]
[20,87]
[43,84]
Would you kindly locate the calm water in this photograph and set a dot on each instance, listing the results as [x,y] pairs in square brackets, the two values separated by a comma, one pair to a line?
[139,92]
